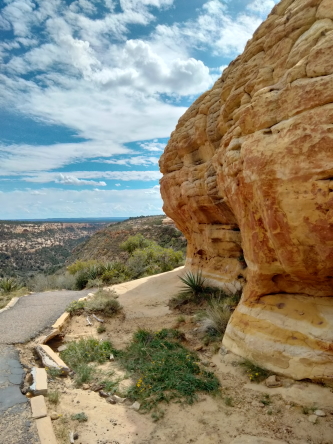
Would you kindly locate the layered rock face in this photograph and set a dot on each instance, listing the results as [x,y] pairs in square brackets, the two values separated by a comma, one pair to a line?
[248,173]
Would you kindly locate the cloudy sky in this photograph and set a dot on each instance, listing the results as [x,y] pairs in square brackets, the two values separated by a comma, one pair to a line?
[91,89]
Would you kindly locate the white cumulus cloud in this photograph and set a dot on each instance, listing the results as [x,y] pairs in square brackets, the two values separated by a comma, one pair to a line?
[72,180]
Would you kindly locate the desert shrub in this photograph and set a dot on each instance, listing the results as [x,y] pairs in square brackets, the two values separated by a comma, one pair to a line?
[215,319]
[134,242]
[103,302]
[76,307]
[41,282]
[101,329]
[81,280]
[9,284]
[81,417]
[93,283]
[115,272]
[146,258]
[80,265]
[153,259]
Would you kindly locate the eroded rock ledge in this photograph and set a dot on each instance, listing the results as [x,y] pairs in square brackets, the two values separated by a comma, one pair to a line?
[248,179]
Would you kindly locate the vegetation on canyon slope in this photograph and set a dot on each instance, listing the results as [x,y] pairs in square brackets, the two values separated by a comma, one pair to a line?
[122,251]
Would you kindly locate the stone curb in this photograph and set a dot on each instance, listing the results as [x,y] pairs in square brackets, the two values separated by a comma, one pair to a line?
[45,431]
[12,302]
[38,407]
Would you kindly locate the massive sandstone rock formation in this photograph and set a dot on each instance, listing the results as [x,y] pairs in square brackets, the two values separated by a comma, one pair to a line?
[248,179]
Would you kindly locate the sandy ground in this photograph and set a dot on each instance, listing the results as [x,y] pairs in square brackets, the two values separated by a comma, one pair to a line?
[209,420]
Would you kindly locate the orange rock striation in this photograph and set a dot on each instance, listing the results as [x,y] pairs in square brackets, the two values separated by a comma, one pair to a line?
[248,179]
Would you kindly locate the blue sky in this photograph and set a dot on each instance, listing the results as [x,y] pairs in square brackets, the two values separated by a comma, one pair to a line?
[90,91]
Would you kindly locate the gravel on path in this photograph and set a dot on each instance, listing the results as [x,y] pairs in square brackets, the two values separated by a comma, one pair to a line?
[16,426]
[31,314]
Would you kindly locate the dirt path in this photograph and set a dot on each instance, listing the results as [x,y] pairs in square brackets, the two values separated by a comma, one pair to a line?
[31,314]
[244,413]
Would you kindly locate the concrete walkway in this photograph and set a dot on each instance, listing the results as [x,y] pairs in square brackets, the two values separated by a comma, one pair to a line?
[31,314]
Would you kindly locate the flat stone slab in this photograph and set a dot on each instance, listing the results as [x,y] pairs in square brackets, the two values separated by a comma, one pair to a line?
[45,431]
[10,396]
[248,439]
[39,385]
[61,321]
[38,407]
[50,359]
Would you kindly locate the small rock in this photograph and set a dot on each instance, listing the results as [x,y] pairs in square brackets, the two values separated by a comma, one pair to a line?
[313,418]
[85,386]
[76,436]
[96,387]
[198,348]
[118,399]
[111,400]
[319,413]
[54,416]
[271,382]
[135,406]
[257,404]
[223,351]
[111,357]
[62,348]
[103,394]
[212,364]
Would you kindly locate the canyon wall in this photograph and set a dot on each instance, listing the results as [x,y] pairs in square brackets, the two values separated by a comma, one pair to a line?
[248,179]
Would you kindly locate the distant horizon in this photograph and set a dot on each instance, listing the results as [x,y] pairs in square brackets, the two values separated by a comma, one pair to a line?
[59,219]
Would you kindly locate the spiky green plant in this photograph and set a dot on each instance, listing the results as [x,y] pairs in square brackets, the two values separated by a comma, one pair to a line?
[194,284]
[8,285]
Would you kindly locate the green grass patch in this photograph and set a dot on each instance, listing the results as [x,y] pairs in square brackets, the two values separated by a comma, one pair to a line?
[85,351]
[79,356]
[54,396]
[165,370]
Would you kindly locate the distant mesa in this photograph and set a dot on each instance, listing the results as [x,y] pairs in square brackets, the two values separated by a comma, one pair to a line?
[248,179]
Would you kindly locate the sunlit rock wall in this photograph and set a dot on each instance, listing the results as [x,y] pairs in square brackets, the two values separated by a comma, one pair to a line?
[248,173]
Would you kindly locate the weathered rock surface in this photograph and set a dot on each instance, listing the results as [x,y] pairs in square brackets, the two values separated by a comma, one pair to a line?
[248,179]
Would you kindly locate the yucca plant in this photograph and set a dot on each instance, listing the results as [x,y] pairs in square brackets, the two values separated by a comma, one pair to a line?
[194,284]
[7,285]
